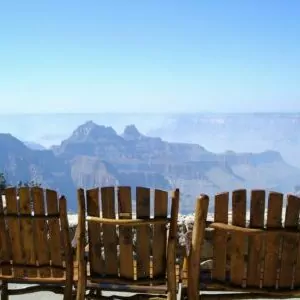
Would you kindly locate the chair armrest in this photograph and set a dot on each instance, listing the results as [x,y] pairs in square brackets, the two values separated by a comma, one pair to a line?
[233,228]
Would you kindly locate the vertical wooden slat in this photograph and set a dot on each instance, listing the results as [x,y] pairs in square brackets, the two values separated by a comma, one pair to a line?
[143,233]
[42,247]
[27,230]
[5,247]
[255,243]
[171,249]
[109,231]
[54,233]
[290,243]
[292,212]
[14,230]
[237,263]
[272,239]
[221,208]
[94,233]
[220,237]
[274,218]
[80,251]
[239,198]
[125,233]
[257,208]
[195,251]
[160,234]
[68,255]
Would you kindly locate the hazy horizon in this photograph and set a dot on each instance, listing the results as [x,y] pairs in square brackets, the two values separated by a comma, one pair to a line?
[151,113]
[245,132]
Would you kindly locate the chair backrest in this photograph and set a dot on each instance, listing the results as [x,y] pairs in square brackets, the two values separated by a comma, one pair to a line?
[262,253]
[128,245]
[34,235]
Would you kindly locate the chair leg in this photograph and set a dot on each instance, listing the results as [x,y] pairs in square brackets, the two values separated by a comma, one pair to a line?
[68,291]
[81,284]
[4,290]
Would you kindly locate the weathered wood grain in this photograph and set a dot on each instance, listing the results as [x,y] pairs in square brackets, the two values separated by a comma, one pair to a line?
[143,233]
[125,233]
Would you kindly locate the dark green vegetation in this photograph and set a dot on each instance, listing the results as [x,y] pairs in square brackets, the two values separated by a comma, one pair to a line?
[97,156]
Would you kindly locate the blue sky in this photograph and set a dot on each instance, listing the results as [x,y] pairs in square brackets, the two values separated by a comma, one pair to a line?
[149,56]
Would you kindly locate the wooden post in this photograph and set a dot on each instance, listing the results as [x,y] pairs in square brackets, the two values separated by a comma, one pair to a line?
[172,240]
[80,246]
[4,290]
[195,251]
[68,248]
